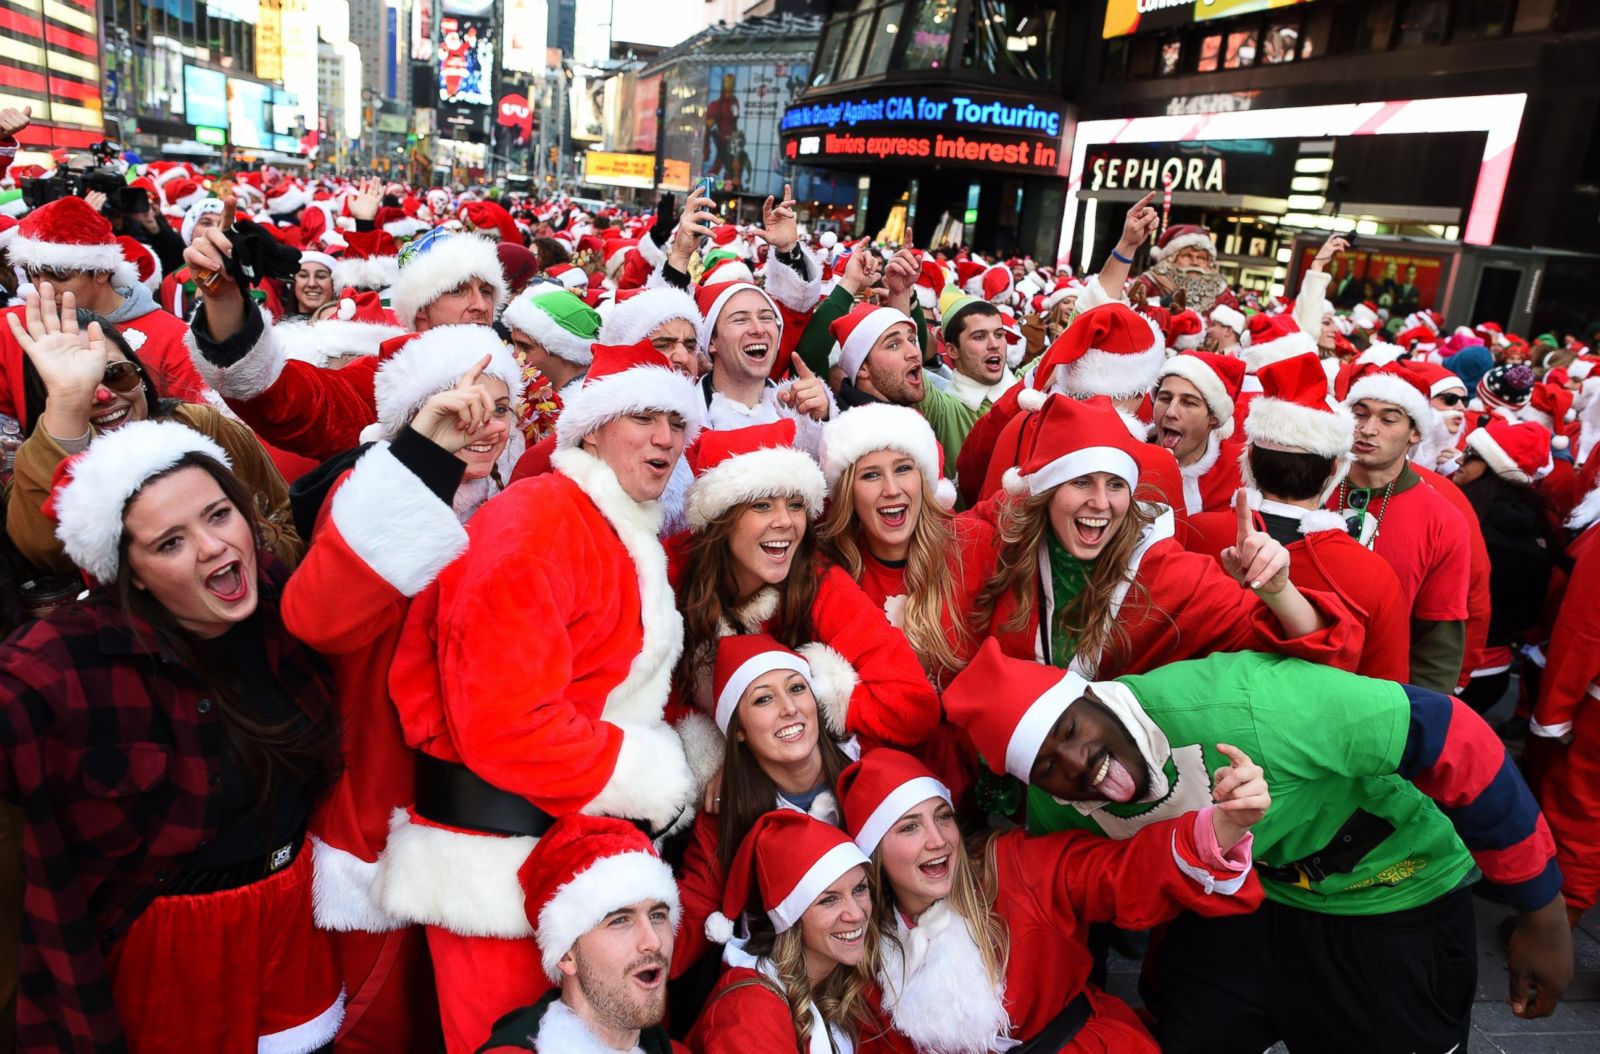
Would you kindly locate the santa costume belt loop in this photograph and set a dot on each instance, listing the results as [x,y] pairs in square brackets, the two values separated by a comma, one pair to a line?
[234,876]
[1059,1030]
[452,795]
[1360,835]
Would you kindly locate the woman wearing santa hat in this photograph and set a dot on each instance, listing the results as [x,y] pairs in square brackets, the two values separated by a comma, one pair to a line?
[312,286]
[986,948]
[1089,579]
[82,379]
[167,740]
[799,980]
[769,704]
[749,564]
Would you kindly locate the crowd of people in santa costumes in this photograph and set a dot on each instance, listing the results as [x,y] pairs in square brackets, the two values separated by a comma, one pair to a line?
[446,619]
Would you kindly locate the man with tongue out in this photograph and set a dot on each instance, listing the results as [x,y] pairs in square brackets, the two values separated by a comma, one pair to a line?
[1388,801]
[1194,419]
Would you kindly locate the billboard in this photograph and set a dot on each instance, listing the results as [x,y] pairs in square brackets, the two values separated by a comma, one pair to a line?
[524,31]
[466,61]
[1399,282]
[742,148]
[1133,16]
[205,95]
[619,170]
[587,98]
[421,30]
[247,114]
[269,40]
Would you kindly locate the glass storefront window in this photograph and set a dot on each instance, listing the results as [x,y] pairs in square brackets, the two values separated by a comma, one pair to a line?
[1481,19]
[1377,25]
[930,27]
[828,53]
[1210,53]
[855,47]
[1010,39]
[884,36]
[1281,43]
[1533,16]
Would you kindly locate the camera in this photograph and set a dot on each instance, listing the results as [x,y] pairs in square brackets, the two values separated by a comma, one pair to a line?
[70,182]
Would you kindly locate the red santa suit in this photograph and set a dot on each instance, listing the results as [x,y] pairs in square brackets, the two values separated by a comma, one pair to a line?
[1474,656]
[1325,558]
[1209,483]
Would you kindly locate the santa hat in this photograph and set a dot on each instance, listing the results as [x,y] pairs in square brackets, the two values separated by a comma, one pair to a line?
[1185,331]
[1008,706]
[143,259]
[1396,384]
[558,319]
[1108,350]
[491,219]
[569,275]
[742,659]
[1518,452]
[359,326]
[1365,315]
[316,256]
[192,214]
[1224,315]
[996,283]
[92,490]
[1273,338]
[617,250]
[712,299]
[627,379]
[438,262]
[1183,236]
[1550,406]
[1438,379]
[722,267]
[1294,410]
[857,331]
[786,860]
[879,789]
[287,198]
[1066,287]
[1218,378]
[580,871]
[633,317]
[863,429]
[371,260]
[739,465]
[1073,438]
[183,194]
[433,362]
[930,283]
[1581,367]
[69,235]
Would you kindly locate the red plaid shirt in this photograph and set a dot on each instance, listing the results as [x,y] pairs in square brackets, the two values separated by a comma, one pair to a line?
[112,749]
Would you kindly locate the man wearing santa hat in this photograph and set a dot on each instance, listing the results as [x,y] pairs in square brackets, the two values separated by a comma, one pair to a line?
[1391,511]
[1186,258]
[1385,797]
[1224,327]
[445,279]
[1193,418]
[604,910]
[70,245]
[531,704]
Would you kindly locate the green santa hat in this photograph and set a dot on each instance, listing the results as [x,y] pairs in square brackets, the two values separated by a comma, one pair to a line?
[953,303]
[558,319]
[721,266]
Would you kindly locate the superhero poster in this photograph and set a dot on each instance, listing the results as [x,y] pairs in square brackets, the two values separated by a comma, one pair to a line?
[466,61]
[1398,282]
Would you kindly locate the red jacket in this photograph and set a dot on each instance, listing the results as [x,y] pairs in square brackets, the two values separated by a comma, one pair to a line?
[1477,573]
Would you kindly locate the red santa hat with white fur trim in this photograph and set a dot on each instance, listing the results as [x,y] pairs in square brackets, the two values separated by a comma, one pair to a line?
[1008,706]
[91,490]
[1218,379]
[69,235]
[359,325]
[739,465]
[1074,437]
[1233,318]
[783,864]
[1183,236]
[1396,384]
[433,362]
[1273,338]
[744,658]
[143,259]
[1294,412]
[581,870]
[1108,350]
[625,379]
[862,430]
[879,789]
[1517,452]
[857,331]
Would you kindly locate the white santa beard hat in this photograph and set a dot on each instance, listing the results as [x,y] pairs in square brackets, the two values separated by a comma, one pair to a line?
[633,319]
[443,267]
[871,427]
[90,505]
[430,364]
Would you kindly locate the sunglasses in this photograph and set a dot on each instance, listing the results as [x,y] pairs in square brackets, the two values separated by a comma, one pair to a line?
[1452,398]
[122,377]
[1358,498]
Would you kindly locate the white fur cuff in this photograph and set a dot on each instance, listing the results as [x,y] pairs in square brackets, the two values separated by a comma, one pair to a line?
[344,892]
[833,682]
[253,374]
[702,747]
[396,524]
[465,883]
[650,781]
[788,288]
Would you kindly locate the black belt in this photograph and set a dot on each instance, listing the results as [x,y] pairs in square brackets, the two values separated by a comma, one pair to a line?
[233,876]
[1060,1030]
[455,796]
[1350,844]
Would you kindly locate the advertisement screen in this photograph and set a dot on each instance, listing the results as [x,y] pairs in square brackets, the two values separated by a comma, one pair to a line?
[205,97]
[247,114]
[1134,16]
[466,61]
[1398,282]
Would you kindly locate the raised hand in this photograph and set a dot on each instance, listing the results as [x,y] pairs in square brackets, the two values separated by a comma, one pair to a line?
[70,363]
[808,394]
[899,276]
[209,253]
[861,271]
[1140,222]
[366,199]
[1255,559]
[96,199]
[1335,245]
[13,120]
[699,216]
[1239,790]
[452,418]
[782,229]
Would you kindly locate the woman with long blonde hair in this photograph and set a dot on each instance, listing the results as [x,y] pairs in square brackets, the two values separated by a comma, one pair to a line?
[985,943]
[1089,579]
[799,976]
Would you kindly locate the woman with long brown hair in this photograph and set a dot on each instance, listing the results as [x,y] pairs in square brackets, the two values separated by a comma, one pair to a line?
[1088,579]
[749,565]
[167,740]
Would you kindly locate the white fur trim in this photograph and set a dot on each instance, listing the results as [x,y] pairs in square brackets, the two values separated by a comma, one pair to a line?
[1022,748]
[1388,389]
[306,1036]
[1555,731]
[116,466]
[1099,372]
[1185,241]
[937,991]
[708,322]
[871,427]
[344,892]
[291,200]
[1285,347]
[1031,400]
[944,492]
[374,272]
[1081,462]
[442,268]
[317,342]
[1210,386]
[405,228]
[896,804]
[702,747]
[718,928]
[638,316]
[433,363]
[1229,317]
[833,682]
[755,612]
[1206,880]
[256,371]
[1495,456]
[824,872]
[525,315]
[788,288]
[1279,422]
[1013,482]
[758,474]
[1586,512]
[465,883]
[653,254]
[652,388]
[28,253]
[1316,521]
[583,901]
[393,522]
[1094,294]
[563,1032]
[854,351]
[651,779]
